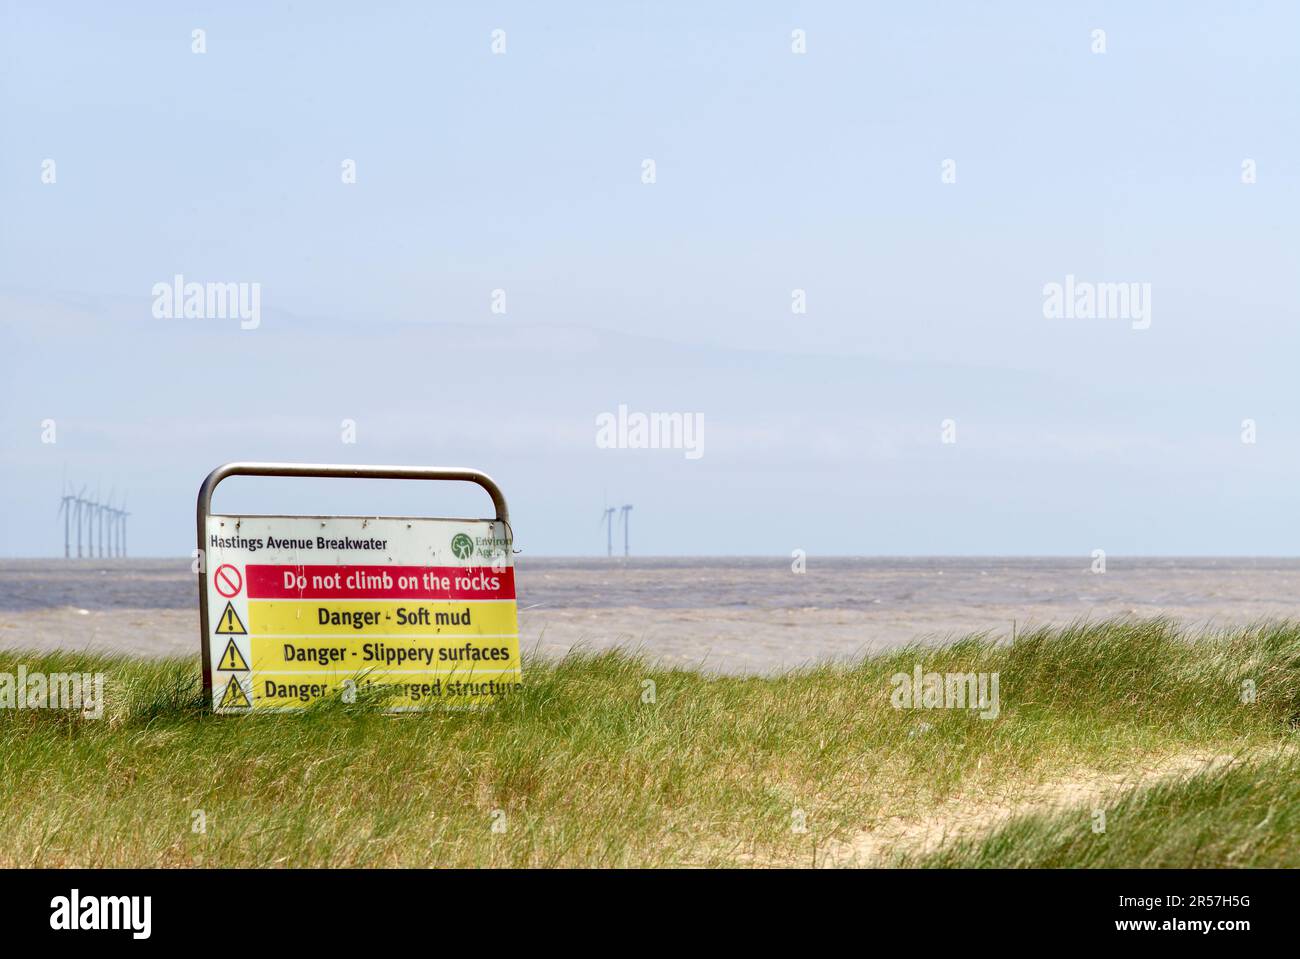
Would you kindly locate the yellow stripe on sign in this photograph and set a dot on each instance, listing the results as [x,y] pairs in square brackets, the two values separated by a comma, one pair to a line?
[294,690]
[348,656]
[291,617]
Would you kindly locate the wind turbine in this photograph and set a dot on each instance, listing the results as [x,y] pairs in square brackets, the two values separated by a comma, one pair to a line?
[90,526]
[111,527]
[105,522]
[81,504]
[627,511]
[123,514]
[92,515]
[65,510]
[608,520]
[96,517]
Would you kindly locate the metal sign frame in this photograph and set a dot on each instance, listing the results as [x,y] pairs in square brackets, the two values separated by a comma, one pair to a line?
[329,471]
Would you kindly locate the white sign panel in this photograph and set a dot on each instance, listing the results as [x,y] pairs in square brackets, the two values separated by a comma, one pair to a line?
[403,613]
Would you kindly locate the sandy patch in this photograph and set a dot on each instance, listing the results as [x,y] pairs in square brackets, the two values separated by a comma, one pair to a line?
[969,816]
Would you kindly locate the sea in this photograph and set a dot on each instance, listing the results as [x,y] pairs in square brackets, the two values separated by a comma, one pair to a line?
[719,614]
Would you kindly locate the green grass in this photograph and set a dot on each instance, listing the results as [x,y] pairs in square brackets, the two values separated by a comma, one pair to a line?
[582,772]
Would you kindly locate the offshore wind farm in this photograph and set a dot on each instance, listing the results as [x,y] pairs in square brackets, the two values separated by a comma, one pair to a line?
[102,523]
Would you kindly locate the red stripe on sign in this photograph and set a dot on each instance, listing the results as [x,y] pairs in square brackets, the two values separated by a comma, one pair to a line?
[379,582]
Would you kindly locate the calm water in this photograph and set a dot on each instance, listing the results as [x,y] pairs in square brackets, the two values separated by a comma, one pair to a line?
[747,583]
[721,615]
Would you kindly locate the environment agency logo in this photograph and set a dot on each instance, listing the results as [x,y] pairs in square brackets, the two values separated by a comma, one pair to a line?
[462,547]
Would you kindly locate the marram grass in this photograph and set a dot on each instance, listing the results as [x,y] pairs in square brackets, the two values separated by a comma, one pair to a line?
[580,770]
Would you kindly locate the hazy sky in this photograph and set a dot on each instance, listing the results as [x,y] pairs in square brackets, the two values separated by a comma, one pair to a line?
[775,171]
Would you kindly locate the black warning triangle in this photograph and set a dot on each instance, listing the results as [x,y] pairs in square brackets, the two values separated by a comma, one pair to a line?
[234,695]
[230,623]
[232,659]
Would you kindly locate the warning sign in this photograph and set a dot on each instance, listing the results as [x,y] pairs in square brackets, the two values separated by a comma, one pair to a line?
[234,697]
[230,623]
[232,659]
[402,613]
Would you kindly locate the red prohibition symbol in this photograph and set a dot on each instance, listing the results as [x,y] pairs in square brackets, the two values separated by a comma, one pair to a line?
[227,580]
